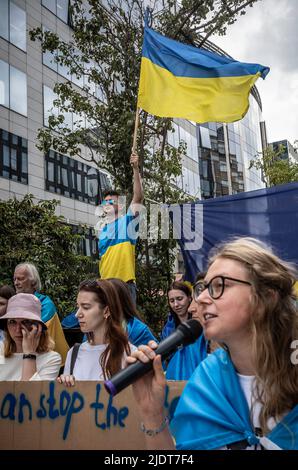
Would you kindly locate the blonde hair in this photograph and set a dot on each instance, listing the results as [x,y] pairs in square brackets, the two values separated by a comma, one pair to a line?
[274,324]
[46,343]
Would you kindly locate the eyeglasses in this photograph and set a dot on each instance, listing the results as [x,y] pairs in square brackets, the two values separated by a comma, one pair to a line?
[107,202]
[215,287]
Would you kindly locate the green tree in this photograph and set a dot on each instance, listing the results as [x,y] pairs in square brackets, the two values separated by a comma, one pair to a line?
[33,233]
[275,170]
[104,55]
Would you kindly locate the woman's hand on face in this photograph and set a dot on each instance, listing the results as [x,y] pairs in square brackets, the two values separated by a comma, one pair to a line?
[31,338]
[149,390]
[67,380]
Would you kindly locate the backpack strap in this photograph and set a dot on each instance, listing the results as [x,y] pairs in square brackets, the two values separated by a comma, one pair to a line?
[74,356]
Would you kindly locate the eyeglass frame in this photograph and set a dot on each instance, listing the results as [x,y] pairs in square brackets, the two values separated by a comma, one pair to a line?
[209,286]
[108,202]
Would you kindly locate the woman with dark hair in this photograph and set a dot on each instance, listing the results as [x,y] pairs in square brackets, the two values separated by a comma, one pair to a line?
[100,316]
[182,364]
[138,332]
[179,299]
[5,293]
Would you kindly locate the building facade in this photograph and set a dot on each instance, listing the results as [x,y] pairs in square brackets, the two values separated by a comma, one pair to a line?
[218,155]
[27,79]
[289,153]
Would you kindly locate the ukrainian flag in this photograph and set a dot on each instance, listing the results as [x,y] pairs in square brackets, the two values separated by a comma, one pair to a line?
[182,81]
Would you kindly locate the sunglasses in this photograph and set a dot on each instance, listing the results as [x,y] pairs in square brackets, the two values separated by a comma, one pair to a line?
[108,202]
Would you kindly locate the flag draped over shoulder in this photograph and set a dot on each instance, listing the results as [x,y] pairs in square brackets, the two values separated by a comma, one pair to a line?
[182,81]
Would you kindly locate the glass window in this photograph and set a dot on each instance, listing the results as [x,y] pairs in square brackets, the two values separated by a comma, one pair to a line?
[232,146]
[73,179]
[48,58]
[99,94]
[50,4]
[18,91]
[17,26]
[79,183]
[182,134]
[58,7]
[64,71]
[48,108]
[50,170]
[13,157]
[205,169]
[104,181]
[206,186]
[78,81]
[64,177]
[88,251]
[205,137]
[92,182]
[212,126]
[6,156]
[62,10]
[59,179]
[67,116]
[24,162]
[4,83]
[5,136]
[4,19]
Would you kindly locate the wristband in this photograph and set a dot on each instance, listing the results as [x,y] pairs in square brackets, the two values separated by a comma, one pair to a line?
[154,432]
[29,356]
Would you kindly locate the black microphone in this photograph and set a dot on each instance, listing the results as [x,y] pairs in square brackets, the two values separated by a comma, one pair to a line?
[185,334]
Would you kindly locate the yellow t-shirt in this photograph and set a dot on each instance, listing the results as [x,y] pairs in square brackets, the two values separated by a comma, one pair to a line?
[117,241]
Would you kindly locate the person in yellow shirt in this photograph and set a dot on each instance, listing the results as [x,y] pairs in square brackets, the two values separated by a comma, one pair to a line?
[118,236]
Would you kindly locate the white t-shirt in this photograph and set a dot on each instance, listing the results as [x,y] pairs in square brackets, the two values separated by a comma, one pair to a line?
[47,366]
[247,384]
[87,365]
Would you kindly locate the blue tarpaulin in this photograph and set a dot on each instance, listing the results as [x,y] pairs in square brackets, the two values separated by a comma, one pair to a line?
[270,215]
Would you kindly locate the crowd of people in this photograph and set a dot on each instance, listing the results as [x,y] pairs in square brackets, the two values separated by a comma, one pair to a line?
[242,386]
[240,393]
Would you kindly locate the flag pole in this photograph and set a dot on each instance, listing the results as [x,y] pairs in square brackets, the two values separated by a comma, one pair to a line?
[135,134]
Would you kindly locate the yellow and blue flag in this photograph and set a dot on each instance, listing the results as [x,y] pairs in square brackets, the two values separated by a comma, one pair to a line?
[182,81]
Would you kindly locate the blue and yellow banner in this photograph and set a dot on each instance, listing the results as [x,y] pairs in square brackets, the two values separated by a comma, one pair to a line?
[182,81]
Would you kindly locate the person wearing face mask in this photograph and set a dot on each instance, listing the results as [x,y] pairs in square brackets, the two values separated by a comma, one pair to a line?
[244,395]
[27,351]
